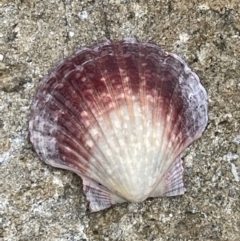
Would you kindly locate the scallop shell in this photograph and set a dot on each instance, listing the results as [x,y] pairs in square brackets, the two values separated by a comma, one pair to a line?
[119,114]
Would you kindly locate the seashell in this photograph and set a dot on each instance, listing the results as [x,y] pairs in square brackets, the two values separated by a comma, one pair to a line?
[119,114]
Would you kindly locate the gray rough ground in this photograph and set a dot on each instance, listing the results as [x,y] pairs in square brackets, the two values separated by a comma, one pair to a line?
[38,202]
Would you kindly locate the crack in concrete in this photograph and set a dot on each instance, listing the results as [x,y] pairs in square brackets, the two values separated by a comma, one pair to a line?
[105,21]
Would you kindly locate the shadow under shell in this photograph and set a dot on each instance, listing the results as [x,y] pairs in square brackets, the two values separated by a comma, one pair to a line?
[119,114]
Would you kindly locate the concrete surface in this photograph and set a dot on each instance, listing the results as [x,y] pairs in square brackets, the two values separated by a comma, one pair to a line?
[38,202]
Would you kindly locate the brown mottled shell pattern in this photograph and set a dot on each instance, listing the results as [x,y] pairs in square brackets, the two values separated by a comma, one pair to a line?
[119,114]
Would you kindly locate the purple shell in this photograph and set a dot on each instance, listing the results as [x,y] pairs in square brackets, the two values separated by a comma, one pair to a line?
[119,114]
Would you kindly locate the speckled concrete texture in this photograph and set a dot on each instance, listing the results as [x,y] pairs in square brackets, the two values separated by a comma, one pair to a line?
[38,202]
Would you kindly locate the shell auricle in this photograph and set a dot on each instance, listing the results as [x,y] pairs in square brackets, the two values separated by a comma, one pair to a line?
[119,114]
